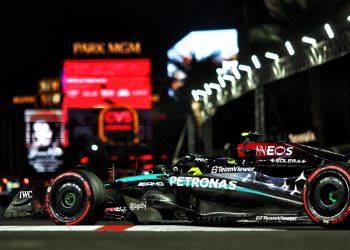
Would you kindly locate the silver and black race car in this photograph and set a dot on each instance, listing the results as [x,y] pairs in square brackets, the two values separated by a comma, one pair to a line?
[270,182]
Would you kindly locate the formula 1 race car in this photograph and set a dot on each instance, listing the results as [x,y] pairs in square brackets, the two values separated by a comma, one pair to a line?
[271,182]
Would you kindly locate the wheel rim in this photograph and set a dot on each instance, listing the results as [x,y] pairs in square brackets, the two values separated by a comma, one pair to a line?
[329,195]
[68,200]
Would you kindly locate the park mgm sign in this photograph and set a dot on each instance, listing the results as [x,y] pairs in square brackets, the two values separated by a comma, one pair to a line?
[107,48]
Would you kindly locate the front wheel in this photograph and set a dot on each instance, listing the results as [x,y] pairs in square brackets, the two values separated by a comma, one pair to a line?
[327,195]
[76,197]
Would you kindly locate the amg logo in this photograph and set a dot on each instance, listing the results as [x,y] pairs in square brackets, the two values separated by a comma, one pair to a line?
[201,159]
[218,169]
[25,194]
[151,184]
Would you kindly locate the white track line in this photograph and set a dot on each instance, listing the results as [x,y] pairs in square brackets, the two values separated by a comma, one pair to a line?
[143,228]
[48,228]
[174,228]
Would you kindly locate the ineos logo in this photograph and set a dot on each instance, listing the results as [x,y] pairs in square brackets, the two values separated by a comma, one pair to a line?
[273,150]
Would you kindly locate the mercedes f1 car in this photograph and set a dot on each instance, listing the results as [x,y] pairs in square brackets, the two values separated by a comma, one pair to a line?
[270,182]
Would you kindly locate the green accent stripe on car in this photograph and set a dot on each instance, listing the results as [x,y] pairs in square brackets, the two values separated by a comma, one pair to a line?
[247,190]
[148,177]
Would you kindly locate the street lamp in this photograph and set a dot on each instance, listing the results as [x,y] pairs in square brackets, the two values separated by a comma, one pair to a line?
[195,95]
[271,55]
[235,70]
[220,71]
[309,40]
[207,88]
[229,78]
[329,30]
[245,68]
[256,62]
[289,48]
[221,81]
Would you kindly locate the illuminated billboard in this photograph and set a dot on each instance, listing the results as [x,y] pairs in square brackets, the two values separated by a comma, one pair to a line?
[115,126]
[220,45]
[118,124]
[107,84]
[44,139]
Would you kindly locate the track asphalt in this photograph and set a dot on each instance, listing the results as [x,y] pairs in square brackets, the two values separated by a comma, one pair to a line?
[121,235]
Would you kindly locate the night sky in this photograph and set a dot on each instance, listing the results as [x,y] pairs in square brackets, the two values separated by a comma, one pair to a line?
[36,46]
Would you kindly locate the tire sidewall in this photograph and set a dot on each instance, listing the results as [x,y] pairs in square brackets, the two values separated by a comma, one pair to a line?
[93,197]
[342,216]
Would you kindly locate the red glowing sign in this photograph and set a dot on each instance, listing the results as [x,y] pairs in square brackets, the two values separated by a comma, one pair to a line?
[118,120]
[98,68]
[106,83]
[118,124]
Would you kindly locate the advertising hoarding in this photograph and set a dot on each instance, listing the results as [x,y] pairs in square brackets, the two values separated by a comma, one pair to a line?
[44,139]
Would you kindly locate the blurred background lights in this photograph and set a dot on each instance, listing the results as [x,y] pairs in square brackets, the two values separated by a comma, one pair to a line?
[58,151]
[289,48]
[195,95]
[329,30]
[235,71]
[271,55]
[207,88]
[222,81]
[26,181]
[309,40]
[256,62]
[245,68]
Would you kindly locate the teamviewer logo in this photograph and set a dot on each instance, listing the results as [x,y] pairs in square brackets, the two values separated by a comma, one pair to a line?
[258,218]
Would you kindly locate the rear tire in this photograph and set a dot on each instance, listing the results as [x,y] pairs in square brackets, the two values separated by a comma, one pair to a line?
[76,197]
[327,195]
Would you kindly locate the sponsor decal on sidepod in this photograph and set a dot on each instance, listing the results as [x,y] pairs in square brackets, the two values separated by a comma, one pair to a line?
[288,161]
[138,206]
[274,150]
[276,218]
[197,182]
[116,209]
[218,169]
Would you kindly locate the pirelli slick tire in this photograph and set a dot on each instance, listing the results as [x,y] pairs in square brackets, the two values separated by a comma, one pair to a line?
[327,196]
[76,197]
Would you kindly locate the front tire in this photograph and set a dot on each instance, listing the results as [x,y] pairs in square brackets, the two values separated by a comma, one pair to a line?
[327,195]
[76,197]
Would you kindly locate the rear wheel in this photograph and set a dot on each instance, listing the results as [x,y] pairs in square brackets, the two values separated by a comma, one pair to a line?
[327,195]
[76,197]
